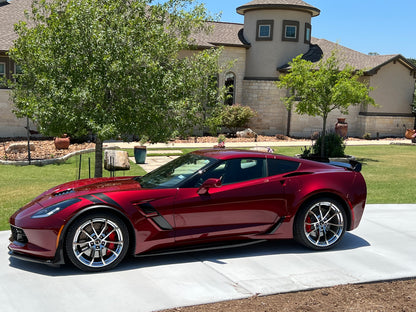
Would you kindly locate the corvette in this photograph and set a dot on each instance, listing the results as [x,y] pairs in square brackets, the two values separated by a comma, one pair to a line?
[204,199]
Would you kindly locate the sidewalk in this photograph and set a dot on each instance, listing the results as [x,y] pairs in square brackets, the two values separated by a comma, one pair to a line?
[300,143]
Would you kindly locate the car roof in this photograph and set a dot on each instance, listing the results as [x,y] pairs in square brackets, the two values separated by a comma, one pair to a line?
[224,154]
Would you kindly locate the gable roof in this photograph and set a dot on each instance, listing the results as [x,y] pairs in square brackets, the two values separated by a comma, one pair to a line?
[10,13]
[278,4]
[221,34]
[370,64]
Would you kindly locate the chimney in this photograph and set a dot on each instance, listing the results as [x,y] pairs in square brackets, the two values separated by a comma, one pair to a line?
[3,2]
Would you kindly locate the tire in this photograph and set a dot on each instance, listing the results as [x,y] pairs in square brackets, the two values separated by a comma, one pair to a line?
[320,224]
[97,242]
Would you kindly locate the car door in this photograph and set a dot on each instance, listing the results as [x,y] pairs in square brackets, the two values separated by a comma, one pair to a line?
[246,203]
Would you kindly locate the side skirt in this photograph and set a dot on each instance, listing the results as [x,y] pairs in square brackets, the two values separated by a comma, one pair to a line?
[201,248]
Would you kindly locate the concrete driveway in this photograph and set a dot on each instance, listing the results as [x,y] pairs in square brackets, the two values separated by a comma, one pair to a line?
[382,248]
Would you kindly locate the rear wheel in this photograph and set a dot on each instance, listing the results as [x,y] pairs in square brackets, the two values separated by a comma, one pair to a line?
[97,242]
[320,224]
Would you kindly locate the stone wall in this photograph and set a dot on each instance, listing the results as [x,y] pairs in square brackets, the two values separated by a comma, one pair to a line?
[272,116]
[265,98]
[10,126]
[386,126]
[237,57]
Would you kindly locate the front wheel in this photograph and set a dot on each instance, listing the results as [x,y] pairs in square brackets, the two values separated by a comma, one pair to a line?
[97,242]
[320,224]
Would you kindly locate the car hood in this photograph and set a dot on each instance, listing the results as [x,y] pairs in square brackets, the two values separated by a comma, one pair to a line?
[85,187]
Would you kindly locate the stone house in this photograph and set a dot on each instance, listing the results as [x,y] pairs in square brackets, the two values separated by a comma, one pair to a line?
[273,33]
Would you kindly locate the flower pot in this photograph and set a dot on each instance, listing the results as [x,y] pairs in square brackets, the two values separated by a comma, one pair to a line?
[341,128]
[140,154]
[62,142]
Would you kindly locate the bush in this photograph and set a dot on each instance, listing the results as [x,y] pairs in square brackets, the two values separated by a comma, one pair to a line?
[235,117]
[334,146]
[367,136]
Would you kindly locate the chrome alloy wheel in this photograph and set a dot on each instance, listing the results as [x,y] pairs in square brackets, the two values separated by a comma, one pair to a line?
[324,224]
[97,243]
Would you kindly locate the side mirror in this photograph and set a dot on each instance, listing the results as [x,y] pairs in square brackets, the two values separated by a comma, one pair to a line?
[210,183]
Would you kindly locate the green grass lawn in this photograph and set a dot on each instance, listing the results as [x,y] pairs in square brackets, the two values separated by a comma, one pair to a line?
[389,170]
[20,184]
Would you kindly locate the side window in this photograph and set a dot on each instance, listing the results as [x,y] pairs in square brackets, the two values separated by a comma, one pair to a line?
[230,87]
[264,30]
[308,32]
[239,170]
[2,69]
[280,166]
[215,172]
[290,31]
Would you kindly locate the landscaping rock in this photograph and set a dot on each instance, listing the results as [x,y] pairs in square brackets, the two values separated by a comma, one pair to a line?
[19,148]
[116,160]
[248,133]
[262,149]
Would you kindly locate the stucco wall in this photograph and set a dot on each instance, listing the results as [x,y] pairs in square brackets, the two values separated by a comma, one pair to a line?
[264,57]
[393,89]
[10,126]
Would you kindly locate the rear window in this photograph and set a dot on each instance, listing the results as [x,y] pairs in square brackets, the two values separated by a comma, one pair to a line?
[280,166]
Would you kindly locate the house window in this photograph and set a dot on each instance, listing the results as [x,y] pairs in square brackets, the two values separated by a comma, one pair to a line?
[265,30]
[290,31]
[17,71]
[2,69]
[230,88]
[308,31]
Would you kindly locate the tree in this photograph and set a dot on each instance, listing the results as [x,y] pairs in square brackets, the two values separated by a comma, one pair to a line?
[112,67]
[318,89]
[413,61]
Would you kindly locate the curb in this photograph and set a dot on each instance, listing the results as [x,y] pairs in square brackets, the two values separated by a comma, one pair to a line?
[44,162]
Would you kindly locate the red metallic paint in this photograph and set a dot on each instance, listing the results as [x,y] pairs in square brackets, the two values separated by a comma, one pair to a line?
[247,209]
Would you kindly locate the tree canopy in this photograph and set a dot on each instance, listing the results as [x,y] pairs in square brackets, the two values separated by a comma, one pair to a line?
[112,67]
[316,89]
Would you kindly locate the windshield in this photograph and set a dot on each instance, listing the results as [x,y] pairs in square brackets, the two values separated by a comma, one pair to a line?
[175,172]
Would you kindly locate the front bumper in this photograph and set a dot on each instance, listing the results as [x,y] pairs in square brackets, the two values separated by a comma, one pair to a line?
[35,245]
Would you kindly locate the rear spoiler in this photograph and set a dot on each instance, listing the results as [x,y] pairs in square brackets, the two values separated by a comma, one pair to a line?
[351,165]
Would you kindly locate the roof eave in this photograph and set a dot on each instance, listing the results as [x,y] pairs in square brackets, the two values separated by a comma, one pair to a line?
[400,58]
[243,9]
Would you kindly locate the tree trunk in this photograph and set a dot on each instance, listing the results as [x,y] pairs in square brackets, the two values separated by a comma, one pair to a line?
[323,136]
[98,158]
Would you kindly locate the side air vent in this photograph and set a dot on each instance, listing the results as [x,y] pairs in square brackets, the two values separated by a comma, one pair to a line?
[295,174]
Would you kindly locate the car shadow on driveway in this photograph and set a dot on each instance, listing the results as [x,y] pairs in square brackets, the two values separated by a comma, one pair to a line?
[264,248]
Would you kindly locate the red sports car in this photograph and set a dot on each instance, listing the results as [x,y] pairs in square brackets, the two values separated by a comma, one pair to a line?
[201,200]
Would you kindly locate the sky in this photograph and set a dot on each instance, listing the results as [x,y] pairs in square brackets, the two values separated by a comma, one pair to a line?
[381,26]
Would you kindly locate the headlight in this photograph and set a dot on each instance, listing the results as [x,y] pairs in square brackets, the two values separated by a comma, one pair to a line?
[51,210]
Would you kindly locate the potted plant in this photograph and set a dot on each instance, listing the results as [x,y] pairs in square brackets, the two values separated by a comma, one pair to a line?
[62,142]
[221,141]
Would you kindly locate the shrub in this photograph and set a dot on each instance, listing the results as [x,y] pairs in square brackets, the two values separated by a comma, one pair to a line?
[334,147]
[367,136]
[235,117]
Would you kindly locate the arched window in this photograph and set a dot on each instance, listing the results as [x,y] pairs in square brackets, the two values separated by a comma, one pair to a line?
[230,88]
